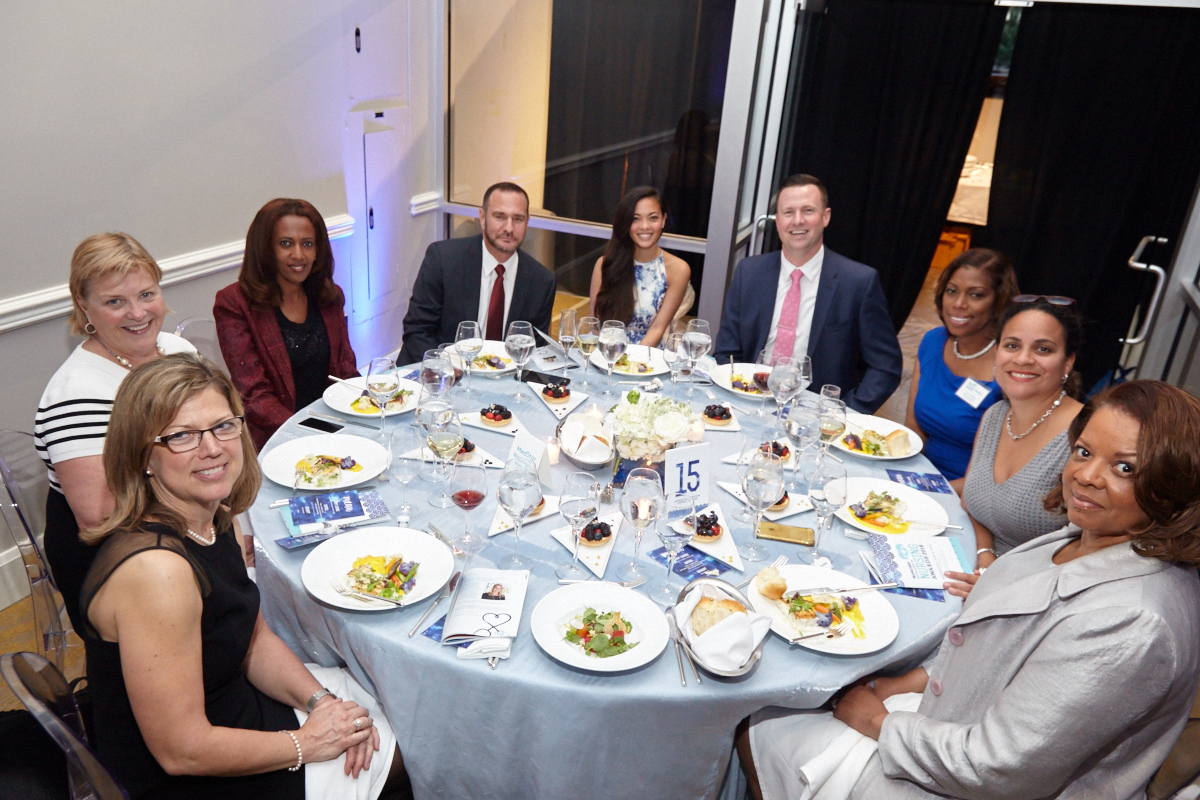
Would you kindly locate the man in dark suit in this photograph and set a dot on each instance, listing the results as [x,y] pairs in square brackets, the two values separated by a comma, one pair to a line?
[808,299]
[485,278]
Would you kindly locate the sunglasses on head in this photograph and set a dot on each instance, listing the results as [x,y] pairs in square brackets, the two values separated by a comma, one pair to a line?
[1052,299]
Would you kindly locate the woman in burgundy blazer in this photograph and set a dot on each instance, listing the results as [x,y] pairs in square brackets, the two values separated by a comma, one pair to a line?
[284,314]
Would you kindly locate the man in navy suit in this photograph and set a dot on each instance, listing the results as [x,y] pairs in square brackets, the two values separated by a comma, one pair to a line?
[808,299]
[486,278]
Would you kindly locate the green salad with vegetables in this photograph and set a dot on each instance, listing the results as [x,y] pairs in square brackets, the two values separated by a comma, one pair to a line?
[600,635]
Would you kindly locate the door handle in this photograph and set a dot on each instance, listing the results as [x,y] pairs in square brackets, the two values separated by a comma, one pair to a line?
[1160,276]
[754,232]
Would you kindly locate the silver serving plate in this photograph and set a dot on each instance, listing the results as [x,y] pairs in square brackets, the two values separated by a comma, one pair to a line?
[579,462]
[729,589]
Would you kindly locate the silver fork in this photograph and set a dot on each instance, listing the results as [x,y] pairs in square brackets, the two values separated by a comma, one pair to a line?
[832,633]
[779,562]
[343,590]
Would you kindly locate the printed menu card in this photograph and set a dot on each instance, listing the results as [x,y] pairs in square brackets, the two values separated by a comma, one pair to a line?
[487,604]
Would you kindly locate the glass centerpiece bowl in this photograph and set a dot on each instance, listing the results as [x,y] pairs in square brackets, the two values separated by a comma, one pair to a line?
[645,426]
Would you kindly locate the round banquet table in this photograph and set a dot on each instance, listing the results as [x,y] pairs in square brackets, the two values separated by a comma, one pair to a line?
[534,727]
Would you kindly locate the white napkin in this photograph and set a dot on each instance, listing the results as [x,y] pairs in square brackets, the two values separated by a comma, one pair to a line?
[499,646]
[728,644]
[579,438]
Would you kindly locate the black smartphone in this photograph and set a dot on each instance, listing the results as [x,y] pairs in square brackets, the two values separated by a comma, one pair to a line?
[320,425]
[542,377]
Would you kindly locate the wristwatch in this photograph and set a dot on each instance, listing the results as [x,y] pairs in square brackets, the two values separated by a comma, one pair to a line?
[317,695]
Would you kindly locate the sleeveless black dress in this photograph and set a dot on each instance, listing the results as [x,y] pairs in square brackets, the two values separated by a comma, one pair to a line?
[226,624]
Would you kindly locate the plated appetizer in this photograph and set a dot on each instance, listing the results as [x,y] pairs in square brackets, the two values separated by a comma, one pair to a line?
[495,415]
[757,384]
[628,365]
[595,534]
[364,404]
[600,634]
[490,361]
[883,511]
[322,471]
[389,577]
[872,443]
[556,393]
[707,528]
[717,414]
[808,614]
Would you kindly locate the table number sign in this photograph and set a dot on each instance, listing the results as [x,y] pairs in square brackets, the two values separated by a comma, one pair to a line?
[688,470]
[530,448]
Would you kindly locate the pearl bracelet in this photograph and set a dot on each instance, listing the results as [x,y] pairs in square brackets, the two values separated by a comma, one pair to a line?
[299,752]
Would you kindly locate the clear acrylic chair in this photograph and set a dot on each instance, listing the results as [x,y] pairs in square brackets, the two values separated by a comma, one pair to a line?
[43,690]
[23,503]
[202,333]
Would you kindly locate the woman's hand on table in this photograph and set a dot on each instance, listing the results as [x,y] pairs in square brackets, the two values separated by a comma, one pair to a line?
[861,709]
[329,730]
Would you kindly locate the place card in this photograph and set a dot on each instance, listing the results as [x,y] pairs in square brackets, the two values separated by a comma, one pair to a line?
[532,450]
[595,558]
[502,522]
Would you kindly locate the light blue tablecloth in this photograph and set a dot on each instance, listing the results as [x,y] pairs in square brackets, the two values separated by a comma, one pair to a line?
[534,728]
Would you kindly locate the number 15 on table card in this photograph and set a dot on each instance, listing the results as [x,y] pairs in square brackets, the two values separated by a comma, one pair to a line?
[688,470]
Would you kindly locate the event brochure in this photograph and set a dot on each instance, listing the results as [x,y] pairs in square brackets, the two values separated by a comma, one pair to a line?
[691,563]
[873,571]
[917,562]
[317,517]
[487,603]
[927,482]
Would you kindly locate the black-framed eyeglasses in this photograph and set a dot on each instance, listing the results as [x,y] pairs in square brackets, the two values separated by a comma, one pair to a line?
[1052,299]
[183,441]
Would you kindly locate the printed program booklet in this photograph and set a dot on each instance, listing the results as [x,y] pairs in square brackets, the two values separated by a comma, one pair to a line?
[917,562]
[487,603]
[306,517]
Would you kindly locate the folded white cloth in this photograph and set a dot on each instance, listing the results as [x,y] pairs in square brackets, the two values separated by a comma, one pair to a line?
[729,644]
[809,755]
[500,646]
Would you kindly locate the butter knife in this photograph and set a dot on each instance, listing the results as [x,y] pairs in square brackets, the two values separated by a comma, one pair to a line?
[446,590]
[678,637]
[678,648]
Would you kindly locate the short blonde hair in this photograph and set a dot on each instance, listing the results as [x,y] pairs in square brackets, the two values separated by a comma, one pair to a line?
[101,256]
[148,400]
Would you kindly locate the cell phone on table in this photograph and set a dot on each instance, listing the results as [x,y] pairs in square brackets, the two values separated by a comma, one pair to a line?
[542,377]
[320,425]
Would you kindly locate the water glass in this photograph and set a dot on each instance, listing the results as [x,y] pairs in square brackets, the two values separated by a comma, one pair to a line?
[827,493]
[436,375]
[519,493]
[641,504]
[751,443]
[671,346]
[784,382]
[468,341]
[578,505]
[520,345]
[444,437]
[802,426]
[613,341]
[566,331]
[697,342]
[681,509]
[406,465]
[763,486]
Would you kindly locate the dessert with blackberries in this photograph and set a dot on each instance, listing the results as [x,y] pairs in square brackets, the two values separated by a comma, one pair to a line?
[556,393]
[465,451]
[777,448]
[595,534]
[707,528]
[495,415]
[717,414]
[782,503]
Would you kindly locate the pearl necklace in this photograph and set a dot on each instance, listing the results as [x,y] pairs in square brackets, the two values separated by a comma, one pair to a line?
[973,355]
[1041,419]
[212,530]
[122,360]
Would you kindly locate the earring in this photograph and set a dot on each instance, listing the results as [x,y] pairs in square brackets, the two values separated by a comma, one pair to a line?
[89,329]
[1064,380]
[149,474]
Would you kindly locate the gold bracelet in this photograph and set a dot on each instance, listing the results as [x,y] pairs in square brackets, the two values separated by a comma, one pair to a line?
[299,752]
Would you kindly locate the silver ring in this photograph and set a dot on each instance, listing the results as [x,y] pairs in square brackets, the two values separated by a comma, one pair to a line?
[358,724]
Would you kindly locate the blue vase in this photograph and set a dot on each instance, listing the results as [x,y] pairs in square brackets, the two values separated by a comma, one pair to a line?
[624,466]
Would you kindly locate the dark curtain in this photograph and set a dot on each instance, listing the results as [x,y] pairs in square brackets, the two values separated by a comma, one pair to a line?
[888,100]
[1099,145]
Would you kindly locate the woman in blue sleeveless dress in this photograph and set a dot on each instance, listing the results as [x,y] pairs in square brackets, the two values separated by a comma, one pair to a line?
[636,281]
[953,381]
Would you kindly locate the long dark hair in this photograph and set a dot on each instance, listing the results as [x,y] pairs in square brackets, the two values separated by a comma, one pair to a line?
[615,298]
[260,270]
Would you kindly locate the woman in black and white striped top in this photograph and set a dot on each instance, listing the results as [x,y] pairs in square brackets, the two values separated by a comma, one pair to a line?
[118,305]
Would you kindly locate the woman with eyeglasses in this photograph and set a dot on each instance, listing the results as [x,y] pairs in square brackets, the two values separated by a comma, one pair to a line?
[193,695]
[1022,441]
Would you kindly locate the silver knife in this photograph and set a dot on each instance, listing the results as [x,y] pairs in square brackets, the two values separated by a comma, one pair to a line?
[342,420]
[446,590]
[678,654]
[445,539]
[855,590]
[678,637]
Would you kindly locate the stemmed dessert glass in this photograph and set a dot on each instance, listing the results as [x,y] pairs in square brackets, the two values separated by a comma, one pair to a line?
[763,486]
[681,508]
[641,504]
[468,341]
[519,493]
[520,345]
[697,341]
[443,436]
[468,488]
[406,465]
[613,341]
[578,506]
[827,493]
[382,383]
[587,339]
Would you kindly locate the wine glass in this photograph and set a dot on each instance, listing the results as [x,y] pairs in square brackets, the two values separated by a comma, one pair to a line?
[833,421]
[670,346]
[406,465]
[804,365]
[680,508]
[784,382]
[831,391]
[436,374]
[468,488]
[827,493]
[762,380]
[382,383]
[613,341]
[566,332]
[578,506]
[641,505]
[587,339]
[519,494]
[443,435]
[455,360]
[697,341]
[520,345]
[763,486]
[802,426]
[468,340]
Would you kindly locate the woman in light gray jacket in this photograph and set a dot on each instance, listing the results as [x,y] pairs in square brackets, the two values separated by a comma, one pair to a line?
[1074,664]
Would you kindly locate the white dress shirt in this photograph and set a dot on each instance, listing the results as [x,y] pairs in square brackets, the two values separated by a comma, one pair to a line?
[811,273]
[488,280]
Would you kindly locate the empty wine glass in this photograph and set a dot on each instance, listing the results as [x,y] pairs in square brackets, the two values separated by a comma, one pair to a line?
[578,506]
[587,339]
[566,332]
[468,341]
[519,493]
[613,341]
[827,493]
[784,383]
[457,364]
[676,361]
[382,383]
[641,505]
[681,509]
[697,341]
[468,488]
[520,345]
[804,365]
[802,426]
[443,436]
[406,465]
[763,486]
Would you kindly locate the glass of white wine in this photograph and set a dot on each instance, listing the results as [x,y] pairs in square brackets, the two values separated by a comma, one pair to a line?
[382,384]
[468,341]
[520,345]
[587,339]
[833,422]
[443,435]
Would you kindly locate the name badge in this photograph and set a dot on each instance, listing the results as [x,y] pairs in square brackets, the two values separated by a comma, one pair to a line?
[972,392]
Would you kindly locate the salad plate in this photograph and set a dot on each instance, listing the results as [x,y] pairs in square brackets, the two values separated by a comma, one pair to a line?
[331,561]
[345,400]
[858,424]
[880,623]
[493,360]
[917,506]
[724,375]
[556,611]
[635,354]
[281,462]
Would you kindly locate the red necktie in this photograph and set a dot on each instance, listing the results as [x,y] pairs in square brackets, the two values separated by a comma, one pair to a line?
[495,323]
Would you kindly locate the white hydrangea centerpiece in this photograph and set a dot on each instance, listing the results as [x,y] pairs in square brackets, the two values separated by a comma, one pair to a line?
[646,426]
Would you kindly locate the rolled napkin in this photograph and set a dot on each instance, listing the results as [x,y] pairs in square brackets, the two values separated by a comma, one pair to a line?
[499,646]
[728,644]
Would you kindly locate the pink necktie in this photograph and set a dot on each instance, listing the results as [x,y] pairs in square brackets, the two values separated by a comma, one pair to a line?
[785,337]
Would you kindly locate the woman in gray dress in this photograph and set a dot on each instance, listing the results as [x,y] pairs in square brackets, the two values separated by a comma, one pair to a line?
[1074,664]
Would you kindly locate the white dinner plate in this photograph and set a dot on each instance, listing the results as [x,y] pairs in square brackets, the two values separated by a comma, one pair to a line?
[279,464]
[636,352]
[920,506]
[857,423]
[880,622]
[332,559]
[555,610]
[491,347]
[339,396]
[722,375]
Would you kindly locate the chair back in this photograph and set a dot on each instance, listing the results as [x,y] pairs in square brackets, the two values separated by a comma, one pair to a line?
[43,690]
[202,333]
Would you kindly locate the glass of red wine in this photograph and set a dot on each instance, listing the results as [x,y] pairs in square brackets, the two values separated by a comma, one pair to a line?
[762,376]
[468,488]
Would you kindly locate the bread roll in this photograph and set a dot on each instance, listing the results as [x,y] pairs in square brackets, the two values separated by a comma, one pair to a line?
[709,611]
[898,443]
[770,583]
